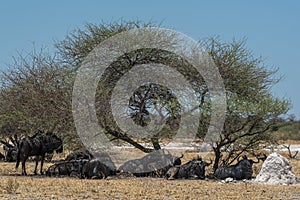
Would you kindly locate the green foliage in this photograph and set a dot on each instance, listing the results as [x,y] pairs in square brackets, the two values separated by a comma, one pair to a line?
[79,43]
[36,95]
[251,107]
[288,130]
[36,92]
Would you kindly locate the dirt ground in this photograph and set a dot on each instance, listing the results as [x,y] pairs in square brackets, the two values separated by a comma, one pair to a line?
[14,186]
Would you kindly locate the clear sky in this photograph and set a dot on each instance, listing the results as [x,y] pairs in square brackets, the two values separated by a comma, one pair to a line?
[272,28]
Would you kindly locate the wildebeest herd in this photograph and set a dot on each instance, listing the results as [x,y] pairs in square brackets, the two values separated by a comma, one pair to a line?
[99,165]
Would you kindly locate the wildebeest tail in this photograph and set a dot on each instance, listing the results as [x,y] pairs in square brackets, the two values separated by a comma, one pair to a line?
[19,155]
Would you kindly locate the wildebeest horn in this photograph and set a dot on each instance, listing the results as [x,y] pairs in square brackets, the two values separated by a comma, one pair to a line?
[223,162]
[199,158]
[210,162]
[6,144]
[238,160]
[256,161]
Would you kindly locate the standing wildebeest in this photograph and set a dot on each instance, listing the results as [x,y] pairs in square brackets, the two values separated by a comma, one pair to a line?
[239,171]
[37,145]
[194,169]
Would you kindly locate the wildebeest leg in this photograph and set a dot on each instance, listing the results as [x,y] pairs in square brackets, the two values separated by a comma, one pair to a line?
[36,164]
[23,166]
[42,162]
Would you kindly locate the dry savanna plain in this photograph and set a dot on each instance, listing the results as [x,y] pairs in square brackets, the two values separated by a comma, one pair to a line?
[14,186]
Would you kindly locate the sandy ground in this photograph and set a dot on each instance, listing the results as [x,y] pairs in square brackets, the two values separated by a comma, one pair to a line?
[14,186]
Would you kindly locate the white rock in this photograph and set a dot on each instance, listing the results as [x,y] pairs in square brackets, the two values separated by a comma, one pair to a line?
[276,170]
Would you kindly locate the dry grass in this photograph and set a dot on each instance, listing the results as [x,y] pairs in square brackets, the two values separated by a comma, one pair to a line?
[14,186]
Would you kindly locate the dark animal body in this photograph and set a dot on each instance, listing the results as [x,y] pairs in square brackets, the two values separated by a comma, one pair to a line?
[194,169]
[37,145]
[71,168]
[84,165]
[154,164]
[239,171]
[80,155]
[95,169]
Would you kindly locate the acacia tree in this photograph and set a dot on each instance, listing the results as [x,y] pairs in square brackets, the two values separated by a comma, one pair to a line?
[251,108]
[35,95]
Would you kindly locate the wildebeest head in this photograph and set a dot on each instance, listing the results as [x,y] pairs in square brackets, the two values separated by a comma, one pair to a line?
[10,153]
[57,143]
[10,150]
[52,142]
[200,172]
[177,160]
[197,169]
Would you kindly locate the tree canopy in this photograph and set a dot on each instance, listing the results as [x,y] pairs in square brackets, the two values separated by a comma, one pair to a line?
[36,92]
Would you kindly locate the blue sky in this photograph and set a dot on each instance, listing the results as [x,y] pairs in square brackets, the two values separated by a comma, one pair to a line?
[272,28]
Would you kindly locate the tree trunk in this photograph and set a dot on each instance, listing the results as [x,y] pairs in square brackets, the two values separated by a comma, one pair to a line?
[218,156]
[155,143]
[129,140]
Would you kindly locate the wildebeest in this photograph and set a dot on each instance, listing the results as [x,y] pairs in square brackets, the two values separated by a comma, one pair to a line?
[79,155]
[84,165]
[10,148]
[95,169]
[10,153]
[37,145]
[194,169]
[71,168]
[153,164]
[239,171]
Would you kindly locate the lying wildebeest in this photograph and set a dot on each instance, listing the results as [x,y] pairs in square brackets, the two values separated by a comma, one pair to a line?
[95,169]
[79,155]
[194,169]
[81,164]
[71,168]
[239,171]
[37,145]
[153,164]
